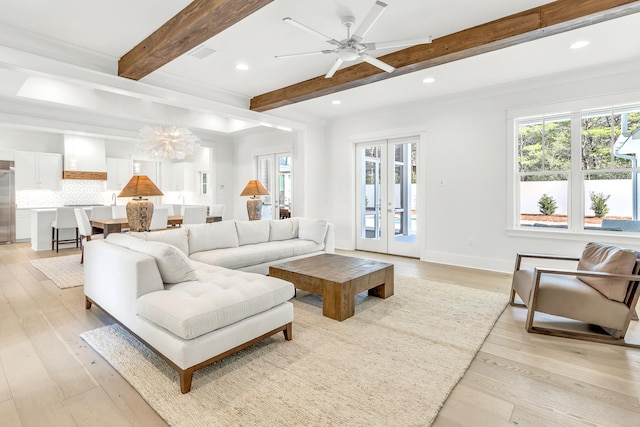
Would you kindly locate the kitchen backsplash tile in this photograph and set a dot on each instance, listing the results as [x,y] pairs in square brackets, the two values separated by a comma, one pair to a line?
[73,192]
[91,192]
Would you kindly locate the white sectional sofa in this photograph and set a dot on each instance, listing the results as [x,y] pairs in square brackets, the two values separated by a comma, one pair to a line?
[194,313]
[249,245]
[191,314]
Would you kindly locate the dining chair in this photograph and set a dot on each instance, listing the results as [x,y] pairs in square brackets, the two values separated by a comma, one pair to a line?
[65,219]
[159,219]
[194,214]
[101,212]
[217,210]
[85,229]
[118,211]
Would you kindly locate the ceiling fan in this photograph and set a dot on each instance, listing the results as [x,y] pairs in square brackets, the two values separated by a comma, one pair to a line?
[352,48]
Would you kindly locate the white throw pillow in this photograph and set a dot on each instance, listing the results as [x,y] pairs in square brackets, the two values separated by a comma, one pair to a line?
[173,264]
[214,235]
[283,229]
[312,229]
[177,237]
[252,232]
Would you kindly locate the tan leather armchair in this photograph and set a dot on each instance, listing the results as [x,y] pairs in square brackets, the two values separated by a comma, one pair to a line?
[602,292]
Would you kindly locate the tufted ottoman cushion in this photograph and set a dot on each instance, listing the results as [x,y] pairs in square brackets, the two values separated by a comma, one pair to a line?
[220,297]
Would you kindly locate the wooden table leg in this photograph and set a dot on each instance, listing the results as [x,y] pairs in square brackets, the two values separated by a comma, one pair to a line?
[112,228]
[338,300]
[386,289]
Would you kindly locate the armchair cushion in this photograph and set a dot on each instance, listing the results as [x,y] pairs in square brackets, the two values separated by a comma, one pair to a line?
[566,296]
[607,259]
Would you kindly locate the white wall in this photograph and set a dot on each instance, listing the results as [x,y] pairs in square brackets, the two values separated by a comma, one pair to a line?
[466,219]
[27,140]
[223,161]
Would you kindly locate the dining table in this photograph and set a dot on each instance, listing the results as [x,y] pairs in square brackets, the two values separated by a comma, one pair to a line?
[116,225]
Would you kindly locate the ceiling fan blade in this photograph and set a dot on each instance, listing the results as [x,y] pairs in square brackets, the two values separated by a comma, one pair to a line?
[397,43]
[369,20]
[311,31]
[377,63]
[317,52]
[334,68]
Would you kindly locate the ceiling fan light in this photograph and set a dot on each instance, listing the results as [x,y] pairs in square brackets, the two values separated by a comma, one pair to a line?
[348,54]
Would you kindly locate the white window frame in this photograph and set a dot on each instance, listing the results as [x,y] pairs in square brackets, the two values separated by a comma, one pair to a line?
[575,210]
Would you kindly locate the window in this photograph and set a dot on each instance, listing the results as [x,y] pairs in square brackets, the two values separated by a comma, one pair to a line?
[577,171]
[203,180]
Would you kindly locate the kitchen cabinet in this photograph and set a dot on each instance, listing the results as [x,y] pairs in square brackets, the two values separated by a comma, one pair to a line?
[178,176]
[118,173]
[148,168]
[23,224]
[38,171]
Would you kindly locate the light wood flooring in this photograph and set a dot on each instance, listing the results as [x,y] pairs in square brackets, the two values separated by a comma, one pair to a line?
[50,377]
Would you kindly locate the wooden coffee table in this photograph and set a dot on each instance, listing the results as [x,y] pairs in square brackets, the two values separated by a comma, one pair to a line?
[338,279]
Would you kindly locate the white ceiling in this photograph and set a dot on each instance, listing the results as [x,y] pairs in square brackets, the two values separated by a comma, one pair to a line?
[110,29]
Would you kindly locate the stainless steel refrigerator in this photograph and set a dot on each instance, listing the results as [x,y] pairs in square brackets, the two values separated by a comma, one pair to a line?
[7,202]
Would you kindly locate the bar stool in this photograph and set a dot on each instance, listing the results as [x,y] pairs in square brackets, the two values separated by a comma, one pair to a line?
[65,218]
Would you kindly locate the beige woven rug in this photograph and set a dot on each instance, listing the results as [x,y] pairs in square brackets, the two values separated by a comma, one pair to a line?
[393,364]
[64,271]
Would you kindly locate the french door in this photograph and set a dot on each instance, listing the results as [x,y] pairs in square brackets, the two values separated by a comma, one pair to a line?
[274,172]
[386,189]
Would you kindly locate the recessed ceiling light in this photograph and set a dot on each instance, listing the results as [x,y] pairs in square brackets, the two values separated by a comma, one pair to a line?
[242,67]
[336,102]
[579,44]
[428,80]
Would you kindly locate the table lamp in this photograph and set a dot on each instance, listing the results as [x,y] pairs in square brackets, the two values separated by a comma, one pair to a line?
[254,204]
[139,210]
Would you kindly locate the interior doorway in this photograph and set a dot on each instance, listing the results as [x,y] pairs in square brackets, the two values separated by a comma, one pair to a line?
[276,174]
[386,194]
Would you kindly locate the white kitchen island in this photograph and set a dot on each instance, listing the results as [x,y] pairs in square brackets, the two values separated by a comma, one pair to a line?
[41,220]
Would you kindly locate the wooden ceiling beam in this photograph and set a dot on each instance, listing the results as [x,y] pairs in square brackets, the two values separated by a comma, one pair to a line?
[195,24]
[543,21]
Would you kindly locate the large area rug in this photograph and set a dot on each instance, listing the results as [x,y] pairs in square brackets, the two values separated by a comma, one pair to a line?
[64,271]
[393,363]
